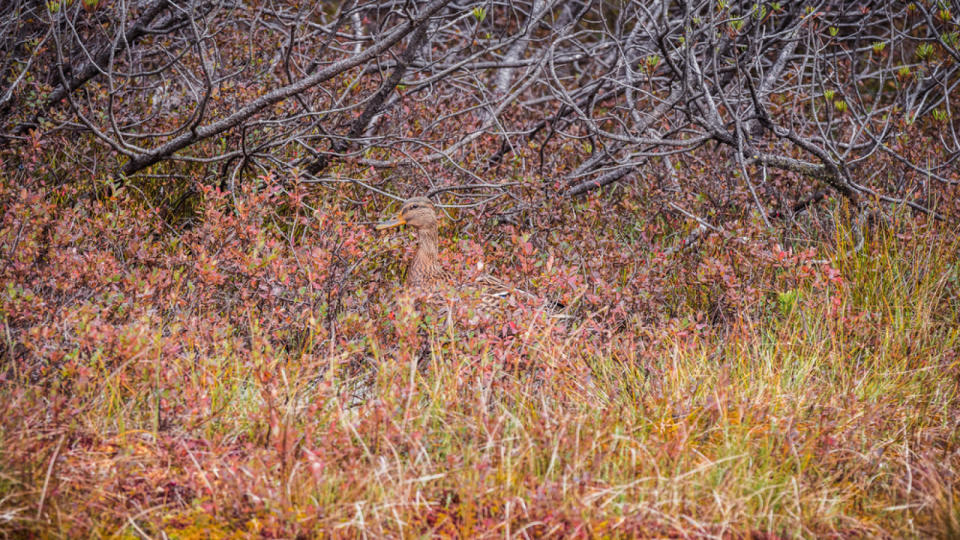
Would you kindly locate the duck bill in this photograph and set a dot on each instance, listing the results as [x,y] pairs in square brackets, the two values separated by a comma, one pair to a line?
[398,221]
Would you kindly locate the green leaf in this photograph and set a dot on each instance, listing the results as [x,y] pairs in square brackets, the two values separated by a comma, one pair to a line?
[479,13]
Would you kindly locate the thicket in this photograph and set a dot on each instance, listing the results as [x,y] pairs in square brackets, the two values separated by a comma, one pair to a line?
[735,224]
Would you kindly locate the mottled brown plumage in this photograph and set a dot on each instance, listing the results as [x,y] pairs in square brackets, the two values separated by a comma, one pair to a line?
[425,273]
[424,270]
[427,282]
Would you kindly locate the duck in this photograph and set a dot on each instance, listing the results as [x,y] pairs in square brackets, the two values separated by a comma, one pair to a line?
[431,285]
[424,271]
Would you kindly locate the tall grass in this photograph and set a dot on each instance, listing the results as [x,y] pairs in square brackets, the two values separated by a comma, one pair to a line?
[830,408]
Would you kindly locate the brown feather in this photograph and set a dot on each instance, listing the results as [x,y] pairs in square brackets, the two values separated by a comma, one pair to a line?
[425,274]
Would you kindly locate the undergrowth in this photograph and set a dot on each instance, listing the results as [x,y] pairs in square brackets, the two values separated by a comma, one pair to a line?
[254,375]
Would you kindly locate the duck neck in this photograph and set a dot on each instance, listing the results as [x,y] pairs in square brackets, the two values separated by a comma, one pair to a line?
[424,266]
[427,248]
